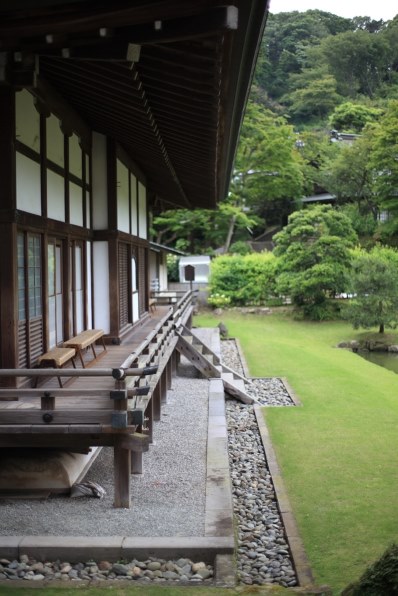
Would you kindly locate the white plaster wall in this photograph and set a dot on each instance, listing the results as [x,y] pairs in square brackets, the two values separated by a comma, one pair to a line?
[88,212]
[123,207]
[142,215]
[27,125]
[99,183]
[75,204]
[163,281]
[55,141]
[152,265]
[75,157]
[101,286]
[28,184]
[55,196]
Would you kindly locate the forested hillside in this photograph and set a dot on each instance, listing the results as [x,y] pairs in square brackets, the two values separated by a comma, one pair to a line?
[311,62]
[316,72]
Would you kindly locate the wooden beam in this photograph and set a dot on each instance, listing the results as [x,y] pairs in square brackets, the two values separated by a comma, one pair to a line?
[158,30]
[32,416]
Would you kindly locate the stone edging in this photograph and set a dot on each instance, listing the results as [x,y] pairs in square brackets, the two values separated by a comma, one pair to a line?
[301,564]
[299,558]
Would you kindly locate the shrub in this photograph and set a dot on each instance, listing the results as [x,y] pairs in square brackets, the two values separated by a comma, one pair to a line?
[218,300]
[240,248]
[248,279]
[379,579]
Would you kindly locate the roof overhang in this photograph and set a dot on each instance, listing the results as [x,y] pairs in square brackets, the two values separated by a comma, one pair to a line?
[167,79]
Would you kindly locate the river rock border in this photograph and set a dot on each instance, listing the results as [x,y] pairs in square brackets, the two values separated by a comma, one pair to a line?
[270,548]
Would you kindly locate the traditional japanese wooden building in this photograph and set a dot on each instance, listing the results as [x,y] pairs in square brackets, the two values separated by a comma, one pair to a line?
[108,109]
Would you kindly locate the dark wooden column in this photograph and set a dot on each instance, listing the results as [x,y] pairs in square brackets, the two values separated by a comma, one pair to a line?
[113,288]
[112,241]
[8,245]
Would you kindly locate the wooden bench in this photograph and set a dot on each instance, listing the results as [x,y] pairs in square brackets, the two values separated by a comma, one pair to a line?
[164,297]
[85,339]
[56,358]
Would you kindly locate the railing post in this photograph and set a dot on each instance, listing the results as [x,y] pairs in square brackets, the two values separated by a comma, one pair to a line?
[47,401]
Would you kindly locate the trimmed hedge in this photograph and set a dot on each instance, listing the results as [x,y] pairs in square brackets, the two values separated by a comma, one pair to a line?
[243,279]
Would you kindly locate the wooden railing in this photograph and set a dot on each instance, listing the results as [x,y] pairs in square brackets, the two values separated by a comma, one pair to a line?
[140,385]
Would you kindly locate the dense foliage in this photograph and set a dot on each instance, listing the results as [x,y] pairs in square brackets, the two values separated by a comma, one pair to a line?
[349,59]
[380,578]
[316,72]
[314,258]
[374,284]
[242,280]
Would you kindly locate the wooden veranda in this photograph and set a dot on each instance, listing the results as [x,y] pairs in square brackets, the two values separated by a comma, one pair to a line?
[112,402]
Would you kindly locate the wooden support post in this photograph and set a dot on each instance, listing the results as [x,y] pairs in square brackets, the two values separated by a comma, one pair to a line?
[174,363]
[122,465]
[156,399]
[121,458]
[136,462]
[47,401]
[163,387]
[168,374]
[178,359]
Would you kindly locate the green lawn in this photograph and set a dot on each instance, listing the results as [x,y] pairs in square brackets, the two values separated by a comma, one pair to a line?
[339,452]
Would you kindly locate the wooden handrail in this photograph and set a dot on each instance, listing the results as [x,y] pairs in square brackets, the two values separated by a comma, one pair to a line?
[117,373]
[170,316]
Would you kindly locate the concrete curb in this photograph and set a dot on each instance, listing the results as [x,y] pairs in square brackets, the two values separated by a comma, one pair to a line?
[113,548]
[300,561]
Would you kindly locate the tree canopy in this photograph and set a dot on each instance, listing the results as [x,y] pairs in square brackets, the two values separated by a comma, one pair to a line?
[374,283]
[314,257]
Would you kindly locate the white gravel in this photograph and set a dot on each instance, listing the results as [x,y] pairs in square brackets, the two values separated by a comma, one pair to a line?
[167,500]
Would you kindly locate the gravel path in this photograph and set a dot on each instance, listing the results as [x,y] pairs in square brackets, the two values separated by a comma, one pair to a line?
[167,500]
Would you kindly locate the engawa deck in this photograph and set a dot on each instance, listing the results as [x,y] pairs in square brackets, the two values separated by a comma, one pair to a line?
[113,401]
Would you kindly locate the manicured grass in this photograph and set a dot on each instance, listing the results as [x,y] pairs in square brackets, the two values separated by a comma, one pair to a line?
[339,452]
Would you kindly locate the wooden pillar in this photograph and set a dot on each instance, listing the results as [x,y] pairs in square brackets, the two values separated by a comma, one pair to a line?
[8,246]
[168,374]
[112,241]
[113,287]
[122,465]
[156,399]
[137,462]
[174,363]
[163,387]
[121,455]
[178,359]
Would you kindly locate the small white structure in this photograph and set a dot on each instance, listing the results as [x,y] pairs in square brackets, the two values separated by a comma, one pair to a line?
[201,265]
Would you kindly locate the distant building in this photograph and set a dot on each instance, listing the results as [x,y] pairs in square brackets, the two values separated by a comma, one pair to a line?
[201,265]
